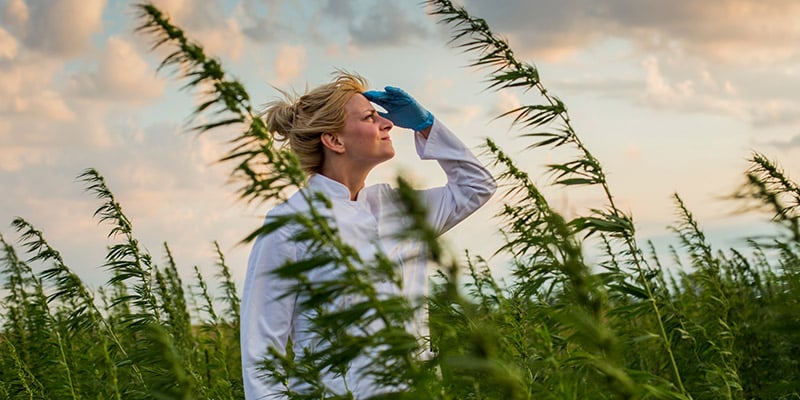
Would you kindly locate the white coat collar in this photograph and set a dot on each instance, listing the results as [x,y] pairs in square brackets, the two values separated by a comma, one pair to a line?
[331,188]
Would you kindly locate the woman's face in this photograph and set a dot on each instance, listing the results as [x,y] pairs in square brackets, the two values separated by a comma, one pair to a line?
[366,134]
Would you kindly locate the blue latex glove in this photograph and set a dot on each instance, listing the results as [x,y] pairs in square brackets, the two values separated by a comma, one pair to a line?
[401,108]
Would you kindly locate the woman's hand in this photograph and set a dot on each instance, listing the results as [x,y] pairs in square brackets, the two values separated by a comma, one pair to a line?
[401,108]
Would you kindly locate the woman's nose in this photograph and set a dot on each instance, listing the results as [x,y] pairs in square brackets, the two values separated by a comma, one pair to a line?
[386,123]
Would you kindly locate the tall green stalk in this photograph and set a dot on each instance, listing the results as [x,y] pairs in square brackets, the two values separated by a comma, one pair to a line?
[265,172]
[474,35]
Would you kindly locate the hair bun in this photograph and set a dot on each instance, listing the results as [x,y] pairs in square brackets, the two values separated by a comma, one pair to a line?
[279,117]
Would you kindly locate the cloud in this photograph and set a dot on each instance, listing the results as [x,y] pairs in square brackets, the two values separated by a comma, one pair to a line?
[463,115]
[162,180]
[227,39]
[506,102]
[8,45]
[732,59]
[434,95]
[368,24]
[618,87]
[192,15]
[46,103]
[25,91]
[632,153]
[57,29]
[15,14]
[338,8]
[122,74]
[208,23]
[787,144]
[658,91]
[14,158]
[46,117]
[45,122]
[550,30]
[702,92]
[385,25]
[261,21]
[371,24]
[290,61]
[776,112]
[736,31]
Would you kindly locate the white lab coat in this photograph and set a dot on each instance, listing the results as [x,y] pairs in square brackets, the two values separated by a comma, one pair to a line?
[368,224]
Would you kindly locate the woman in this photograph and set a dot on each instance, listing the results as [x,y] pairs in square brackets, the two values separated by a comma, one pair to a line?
[339,138]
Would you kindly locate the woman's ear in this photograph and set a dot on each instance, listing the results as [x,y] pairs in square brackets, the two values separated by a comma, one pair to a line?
[332,142]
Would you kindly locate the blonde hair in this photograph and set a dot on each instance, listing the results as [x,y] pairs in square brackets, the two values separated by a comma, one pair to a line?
[301,121]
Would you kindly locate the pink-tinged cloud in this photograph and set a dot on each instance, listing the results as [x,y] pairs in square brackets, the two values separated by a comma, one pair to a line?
[122,74]
[47,103]
[15,14]
[632,152]
[290,62]
[702,92]
[25,91]
[60,29]
[776,112]
[14,158]
[8,45]
[658,90]
[206,22]
[506,101]
[734,31]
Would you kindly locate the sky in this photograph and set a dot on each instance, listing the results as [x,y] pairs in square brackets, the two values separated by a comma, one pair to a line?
[670,96]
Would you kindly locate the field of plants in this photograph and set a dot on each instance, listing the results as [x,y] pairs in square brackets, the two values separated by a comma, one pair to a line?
[715,324]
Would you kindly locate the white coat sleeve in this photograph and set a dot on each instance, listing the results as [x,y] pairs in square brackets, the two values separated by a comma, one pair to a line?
[267,316]
[469,183]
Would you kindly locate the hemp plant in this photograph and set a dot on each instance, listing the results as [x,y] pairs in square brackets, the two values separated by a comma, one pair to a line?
[700,323]
[372,325]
